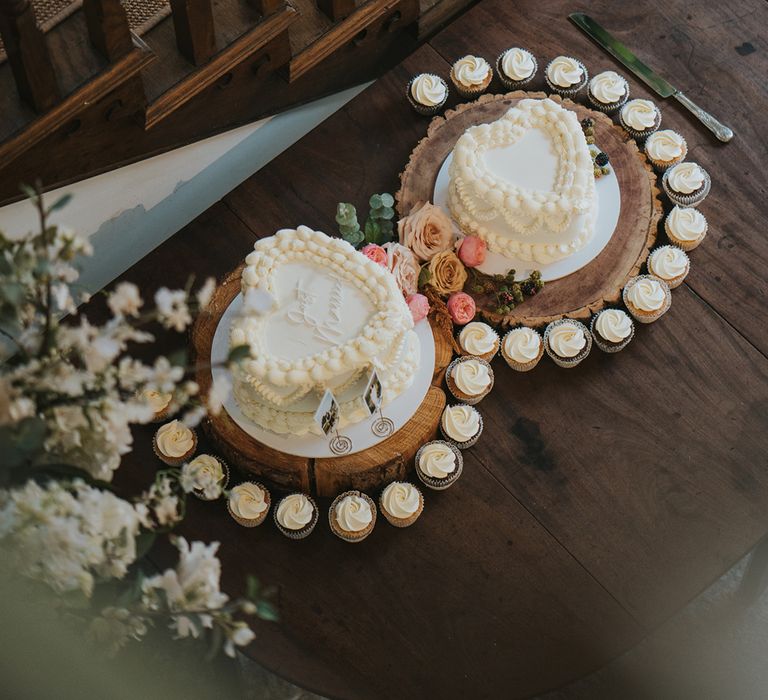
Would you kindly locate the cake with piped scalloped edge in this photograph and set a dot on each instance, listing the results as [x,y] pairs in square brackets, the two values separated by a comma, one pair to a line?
[525,183]
[318,315]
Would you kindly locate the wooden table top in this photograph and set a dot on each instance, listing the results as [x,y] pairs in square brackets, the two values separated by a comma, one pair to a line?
[599,501]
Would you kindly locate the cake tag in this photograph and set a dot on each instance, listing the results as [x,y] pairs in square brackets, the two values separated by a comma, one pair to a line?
[327,413]
[372,394]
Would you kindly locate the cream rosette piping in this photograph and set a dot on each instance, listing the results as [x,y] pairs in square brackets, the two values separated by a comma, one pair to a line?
[437,460]
[471,376]
[478,338]
[461,422]
[686,178]
[613,325]
[428,89]
[665,145]
[522,345]
[353,513]
[639,114]
[401,499]
[647,295]
[608,87]
[295,512]
[565,71]
[668,262]
[517,64]
[567,339]
[471,71]
[247,501]
[686,223]
[174,439]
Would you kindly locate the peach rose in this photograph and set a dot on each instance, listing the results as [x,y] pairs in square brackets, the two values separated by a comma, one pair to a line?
[403,265]
[447,273]
[462,308]
[375,253]
[427,231]
[419,306]
[472,251]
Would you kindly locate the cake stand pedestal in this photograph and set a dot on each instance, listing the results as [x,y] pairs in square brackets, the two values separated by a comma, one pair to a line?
[390,459]
[598,283]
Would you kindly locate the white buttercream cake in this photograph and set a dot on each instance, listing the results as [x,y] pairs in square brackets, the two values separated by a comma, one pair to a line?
[318,315]
[525,183]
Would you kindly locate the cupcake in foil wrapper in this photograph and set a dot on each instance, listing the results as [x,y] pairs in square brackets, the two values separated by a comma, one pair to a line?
[252,522]
[470,399]
[572,89]
[604,344]
[522,366]
[174,461]
[223,483]
[640,315]
[683,199]
[421,108]
[487,356]
[653,266]
[515,83]
[437,483]
[560,360]
[393,519]
[683,243]
[607,107]
[349,535]
[461,444]
[470,92]
[640,134]
[661,165]
[303,532]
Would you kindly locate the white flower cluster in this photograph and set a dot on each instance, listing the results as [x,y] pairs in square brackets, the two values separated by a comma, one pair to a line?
[197,477]
[160,506]
[67,535]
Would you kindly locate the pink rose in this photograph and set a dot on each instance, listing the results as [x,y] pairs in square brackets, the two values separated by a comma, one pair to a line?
[427,231]
[419,306]
[403,265]
[462,308]
[375,253]
[472,251]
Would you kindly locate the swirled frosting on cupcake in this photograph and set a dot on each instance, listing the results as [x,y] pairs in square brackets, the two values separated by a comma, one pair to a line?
[668,262]
[428,89]
[156,400]
[471,377]
[608,87]
[478,338]
[175,439]
[647,295]
[401,499]
[686,223]
[685,177]
[639,114]
[353,513]
[614,325]
[461,423]
[518,64]
[665,145]
[567,339]
[471,71]
[437,460]
[207,467]
[522,345]
[565,71]
[247,501]
[295,512]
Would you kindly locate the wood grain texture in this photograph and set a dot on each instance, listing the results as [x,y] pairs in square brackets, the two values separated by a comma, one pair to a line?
[108,27]
[193,25]
[601,281]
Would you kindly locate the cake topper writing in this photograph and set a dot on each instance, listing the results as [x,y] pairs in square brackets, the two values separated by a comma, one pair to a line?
[327,329]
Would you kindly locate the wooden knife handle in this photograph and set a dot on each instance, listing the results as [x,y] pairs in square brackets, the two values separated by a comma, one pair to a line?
[717,128]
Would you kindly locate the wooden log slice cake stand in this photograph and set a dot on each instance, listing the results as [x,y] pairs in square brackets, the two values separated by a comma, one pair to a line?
[598,283]
[387,461]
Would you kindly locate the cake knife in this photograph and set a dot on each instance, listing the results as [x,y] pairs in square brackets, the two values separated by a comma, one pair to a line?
[652,79]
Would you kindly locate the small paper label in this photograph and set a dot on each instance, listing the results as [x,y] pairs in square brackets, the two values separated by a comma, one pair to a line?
[373,393]
[327,413]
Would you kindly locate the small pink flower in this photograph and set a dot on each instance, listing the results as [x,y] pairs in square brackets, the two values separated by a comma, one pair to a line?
[419,306]
[472,251]
[375,253]
[462,308]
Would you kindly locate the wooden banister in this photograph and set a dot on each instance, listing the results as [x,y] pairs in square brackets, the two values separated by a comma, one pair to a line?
[28,54]
[337,9]
[108,27]
[266,7]
[193,22]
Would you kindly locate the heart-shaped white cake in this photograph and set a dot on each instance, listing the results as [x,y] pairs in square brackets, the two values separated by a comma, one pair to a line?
[318,315]
[525,183]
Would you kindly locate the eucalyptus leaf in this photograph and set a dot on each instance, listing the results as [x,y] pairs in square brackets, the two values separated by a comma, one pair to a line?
[375,201]
[60,203]
[238,354]
[372,231]
[267,611]
[424,276]
[387,200]
[178,358]
[355,238]
[253,587]
[28,191]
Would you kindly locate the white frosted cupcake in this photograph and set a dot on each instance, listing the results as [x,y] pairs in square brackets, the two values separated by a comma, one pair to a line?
[647,298]
[439,464]
[462,425]
[566,76]
[174,443]
[516,68]
[296,516]
[248,503]
[469,379]
[211,471]
[471,76]
[665,148]
[686,184]
[401,503]
[427,93]
[522,348]
[479,340]
[612,329]
[159,402]
[607,91]
[686,227]
[670,264]
[567,342]
[640,118]
[352,516]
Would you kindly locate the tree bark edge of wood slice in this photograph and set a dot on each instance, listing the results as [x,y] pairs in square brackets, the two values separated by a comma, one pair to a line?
[368,470]
[600,282]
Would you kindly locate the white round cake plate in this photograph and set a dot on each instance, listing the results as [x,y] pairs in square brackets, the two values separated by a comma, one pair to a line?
[608,208]
[399,411]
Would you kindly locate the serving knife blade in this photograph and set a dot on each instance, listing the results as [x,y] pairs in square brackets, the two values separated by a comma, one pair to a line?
[650,77]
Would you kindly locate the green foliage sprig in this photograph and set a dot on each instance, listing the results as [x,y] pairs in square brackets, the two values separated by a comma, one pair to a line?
[378,227]
[505,291]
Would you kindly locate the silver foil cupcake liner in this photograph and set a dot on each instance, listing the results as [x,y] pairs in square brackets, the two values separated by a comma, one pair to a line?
[432,482]
[640,136]
[307,529]
[451,382]
[573,89]
[509,83]
[686,200]
[609,107]
[646,317]
[606,345]
[467,443]
[346,535]
[426,110]
[567,362]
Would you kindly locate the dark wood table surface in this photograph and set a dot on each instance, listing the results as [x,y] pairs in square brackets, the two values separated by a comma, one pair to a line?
[599,501]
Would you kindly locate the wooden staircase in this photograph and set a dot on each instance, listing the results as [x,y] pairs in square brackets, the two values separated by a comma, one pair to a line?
[90,95]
